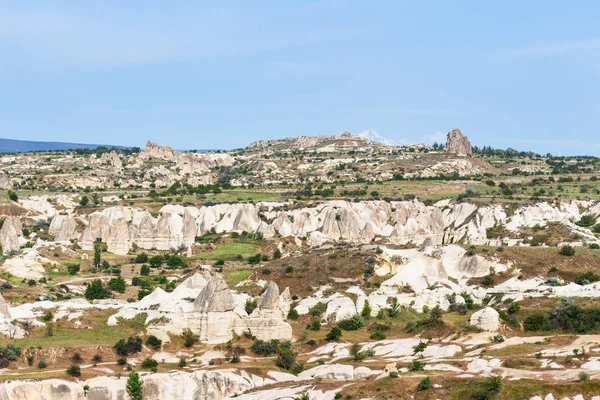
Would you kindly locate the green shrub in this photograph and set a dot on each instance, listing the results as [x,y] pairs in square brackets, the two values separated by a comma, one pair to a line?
[537,322]
[131,346]
[149,363]
[262,348]
[333,334]
[95,290]
[567,250]
[416,365]
[74,371]
[315,325]
[353,323]
[117,284]
[425,384]
[286,358]
[154,342]
[250,306]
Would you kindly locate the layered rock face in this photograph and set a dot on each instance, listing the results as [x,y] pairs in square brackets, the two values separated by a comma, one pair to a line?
[10,234]
[266,321]
[458,144]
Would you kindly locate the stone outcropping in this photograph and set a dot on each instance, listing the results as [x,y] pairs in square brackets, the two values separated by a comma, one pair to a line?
[266,321]
[400,222]
[458,144]
[63,227]
[10,234]
[213,312]
[486,319]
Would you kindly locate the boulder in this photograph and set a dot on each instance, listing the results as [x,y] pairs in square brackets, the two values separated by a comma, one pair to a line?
[486,319]
[458,144]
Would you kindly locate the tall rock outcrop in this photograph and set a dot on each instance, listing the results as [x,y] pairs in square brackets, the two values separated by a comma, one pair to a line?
[458,144]
[213,315]
[266,321]
[10,234]
[63,227]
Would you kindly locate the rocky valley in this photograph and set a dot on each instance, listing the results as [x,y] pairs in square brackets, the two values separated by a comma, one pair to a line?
[316,267]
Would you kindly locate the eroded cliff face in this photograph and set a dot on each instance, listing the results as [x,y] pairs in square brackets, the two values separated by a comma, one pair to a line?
[399,222]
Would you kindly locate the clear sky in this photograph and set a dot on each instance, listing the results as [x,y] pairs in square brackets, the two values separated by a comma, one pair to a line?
[220,74]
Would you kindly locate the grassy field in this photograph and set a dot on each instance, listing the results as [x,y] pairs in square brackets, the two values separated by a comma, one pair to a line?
[234,277]
[100,333]
[230,251]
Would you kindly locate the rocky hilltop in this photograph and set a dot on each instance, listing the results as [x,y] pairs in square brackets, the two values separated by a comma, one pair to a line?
[458,144]
[341,142]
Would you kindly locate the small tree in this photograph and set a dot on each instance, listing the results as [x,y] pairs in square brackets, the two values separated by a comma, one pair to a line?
[117,284]
[134,386]
[73,268]
[156,261]
[84,201]
[96,290]
[334,334]
[366,311]
[97,253]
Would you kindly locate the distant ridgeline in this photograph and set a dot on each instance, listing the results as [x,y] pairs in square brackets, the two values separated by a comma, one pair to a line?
[20,146]
[24,146]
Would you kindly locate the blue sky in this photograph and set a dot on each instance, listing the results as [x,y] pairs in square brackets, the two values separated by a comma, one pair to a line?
[220,74]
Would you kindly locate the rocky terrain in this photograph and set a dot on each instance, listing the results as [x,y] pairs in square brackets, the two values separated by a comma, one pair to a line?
[328,267]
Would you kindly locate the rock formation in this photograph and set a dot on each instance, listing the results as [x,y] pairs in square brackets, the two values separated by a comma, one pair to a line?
[486,319]
[213,315]
[458,144]
[5,182]
[400,222]
[63,227]
[266,321]
[10,234]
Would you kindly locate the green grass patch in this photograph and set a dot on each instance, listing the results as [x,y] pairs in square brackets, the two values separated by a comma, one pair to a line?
[100,333]
[230,251]
[234,277]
